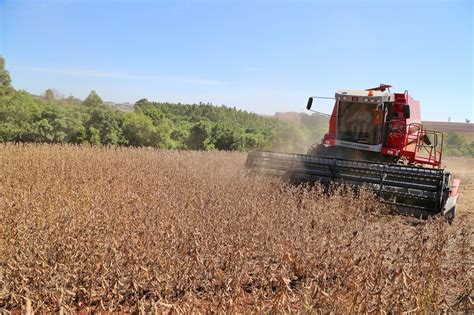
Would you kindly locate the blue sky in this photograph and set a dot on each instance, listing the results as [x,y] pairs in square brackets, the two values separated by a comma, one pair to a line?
[261,56]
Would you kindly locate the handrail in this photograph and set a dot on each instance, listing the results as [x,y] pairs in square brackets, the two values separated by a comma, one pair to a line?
[415,133]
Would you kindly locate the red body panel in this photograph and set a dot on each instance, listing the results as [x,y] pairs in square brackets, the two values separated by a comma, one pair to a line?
[396,140]
[330,137]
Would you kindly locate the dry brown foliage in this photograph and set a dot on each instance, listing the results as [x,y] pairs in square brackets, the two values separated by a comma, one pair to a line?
[144,230]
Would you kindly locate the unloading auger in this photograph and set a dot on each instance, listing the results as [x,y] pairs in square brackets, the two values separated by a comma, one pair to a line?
[375,140]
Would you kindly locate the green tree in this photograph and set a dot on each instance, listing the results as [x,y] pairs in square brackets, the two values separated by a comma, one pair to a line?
[94,135]
[153,112]
[49,95]
[224,136]
[247,141]
[140,130]
[5,80]
[42,131]
[59,125]
[200,137]
[107,122]
[140,103]
[17,116]
[179,137]
[93,100]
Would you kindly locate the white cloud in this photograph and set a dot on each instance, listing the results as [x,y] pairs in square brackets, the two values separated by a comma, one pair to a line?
[118,75]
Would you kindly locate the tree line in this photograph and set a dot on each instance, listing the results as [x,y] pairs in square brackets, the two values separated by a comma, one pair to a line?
[51,119]
[455,145]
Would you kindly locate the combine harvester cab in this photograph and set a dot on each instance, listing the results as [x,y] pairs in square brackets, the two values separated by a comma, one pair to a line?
[375,140]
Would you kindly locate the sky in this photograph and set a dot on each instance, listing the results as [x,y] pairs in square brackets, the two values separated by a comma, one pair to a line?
[260,56]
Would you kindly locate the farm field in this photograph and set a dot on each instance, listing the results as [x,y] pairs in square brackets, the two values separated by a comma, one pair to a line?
[139,230]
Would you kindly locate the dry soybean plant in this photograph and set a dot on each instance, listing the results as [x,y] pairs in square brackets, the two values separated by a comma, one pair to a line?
[138,230]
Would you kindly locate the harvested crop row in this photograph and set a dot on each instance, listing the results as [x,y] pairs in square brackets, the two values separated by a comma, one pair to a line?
[133,229]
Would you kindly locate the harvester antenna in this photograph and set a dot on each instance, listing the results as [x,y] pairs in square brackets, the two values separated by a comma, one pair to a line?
[381,88]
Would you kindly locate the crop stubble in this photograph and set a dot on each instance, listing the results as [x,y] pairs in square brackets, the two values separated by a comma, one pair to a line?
[93,229]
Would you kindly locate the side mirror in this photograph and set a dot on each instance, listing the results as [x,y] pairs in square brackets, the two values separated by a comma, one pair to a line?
[310,103]
[406,111]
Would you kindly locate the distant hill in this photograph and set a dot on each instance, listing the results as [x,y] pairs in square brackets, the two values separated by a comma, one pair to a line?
[466,130]
[125,107]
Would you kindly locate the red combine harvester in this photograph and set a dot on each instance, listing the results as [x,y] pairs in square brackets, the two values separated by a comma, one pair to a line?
[375,140]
